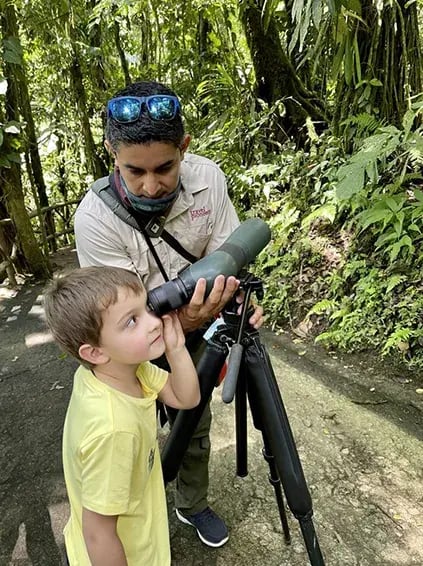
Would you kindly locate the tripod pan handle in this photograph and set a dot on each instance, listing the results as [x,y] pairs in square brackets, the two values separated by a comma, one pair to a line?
[231,378]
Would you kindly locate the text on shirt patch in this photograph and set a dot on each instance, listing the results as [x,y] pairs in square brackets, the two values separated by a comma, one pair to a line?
[199,212]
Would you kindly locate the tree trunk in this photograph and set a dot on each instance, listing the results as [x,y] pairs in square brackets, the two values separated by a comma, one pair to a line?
[62,180]
[390,51]
[17,76]
[12,193]
[121,52]
[97,70]
[96,167]
[275,75]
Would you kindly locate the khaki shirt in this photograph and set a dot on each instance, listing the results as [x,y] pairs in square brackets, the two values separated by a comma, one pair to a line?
[201,219]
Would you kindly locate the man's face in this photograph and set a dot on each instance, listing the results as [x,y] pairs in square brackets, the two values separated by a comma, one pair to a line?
[150,170]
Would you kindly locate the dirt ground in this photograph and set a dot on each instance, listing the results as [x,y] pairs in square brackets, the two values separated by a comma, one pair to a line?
[357,426]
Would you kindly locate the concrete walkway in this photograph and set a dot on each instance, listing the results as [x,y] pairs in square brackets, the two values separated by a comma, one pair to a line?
[357,429]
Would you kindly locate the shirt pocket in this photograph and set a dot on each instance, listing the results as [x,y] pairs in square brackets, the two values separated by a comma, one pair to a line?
[194,236]
[140,256]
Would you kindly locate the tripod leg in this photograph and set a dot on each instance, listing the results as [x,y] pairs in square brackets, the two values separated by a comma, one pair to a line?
[276,483]
[208,368]
[266,403]
[241,428]
[274,478]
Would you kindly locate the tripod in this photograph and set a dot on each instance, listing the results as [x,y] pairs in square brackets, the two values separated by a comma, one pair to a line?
[251,375]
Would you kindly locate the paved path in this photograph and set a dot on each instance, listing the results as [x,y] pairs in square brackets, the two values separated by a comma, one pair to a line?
[358,433]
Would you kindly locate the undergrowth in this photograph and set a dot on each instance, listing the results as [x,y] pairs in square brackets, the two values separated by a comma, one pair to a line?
[345,261]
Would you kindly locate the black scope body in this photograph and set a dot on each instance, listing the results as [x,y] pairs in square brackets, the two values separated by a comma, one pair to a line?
[241,248]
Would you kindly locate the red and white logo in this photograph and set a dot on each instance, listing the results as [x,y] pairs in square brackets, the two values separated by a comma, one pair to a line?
[199,213]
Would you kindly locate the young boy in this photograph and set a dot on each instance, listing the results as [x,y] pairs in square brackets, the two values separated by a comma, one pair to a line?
[111,461]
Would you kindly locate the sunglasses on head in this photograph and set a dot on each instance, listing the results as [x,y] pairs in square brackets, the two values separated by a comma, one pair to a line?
[127,109]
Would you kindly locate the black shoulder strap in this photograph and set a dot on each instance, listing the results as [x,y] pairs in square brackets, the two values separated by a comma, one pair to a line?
[102,187]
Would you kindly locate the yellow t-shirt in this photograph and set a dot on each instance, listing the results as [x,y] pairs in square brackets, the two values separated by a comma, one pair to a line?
[112,466]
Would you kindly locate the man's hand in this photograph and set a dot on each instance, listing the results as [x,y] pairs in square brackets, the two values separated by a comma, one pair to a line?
[200,309]
[256,319]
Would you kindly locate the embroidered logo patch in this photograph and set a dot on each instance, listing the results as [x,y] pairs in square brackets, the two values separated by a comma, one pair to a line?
[199,212]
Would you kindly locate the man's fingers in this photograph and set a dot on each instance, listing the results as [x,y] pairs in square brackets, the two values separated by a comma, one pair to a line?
[197,298]
[256,320]
[231,286]
[215,296]
[201,308]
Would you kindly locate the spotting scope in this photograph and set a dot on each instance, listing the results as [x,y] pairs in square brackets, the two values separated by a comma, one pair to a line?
[241,248]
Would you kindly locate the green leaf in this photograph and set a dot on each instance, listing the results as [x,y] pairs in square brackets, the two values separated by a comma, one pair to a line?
[351,180]
[419,195]
[385,238]
[395,280]
[327,211]
[12,51]
[357,58]
[15,157]
[332,5]
[398,223]
[373,216]
[317,13]
[396,248]
[395,204]
[337,61]
[4,162]
[353,5]
[323,306]
[348,60]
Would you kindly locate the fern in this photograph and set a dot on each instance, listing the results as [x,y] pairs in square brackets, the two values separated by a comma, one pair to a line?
[321,307]
[401,335]
[395,280]
[365,124]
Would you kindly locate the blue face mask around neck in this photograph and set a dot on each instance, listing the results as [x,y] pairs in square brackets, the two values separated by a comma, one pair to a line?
[151,205]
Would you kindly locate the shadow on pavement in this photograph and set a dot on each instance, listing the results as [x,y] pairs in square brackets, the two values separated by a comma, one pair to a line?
[35,383]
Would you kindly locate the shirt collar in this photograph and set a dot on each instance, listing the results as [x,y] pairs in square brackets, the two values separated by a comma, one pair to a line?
[191,184]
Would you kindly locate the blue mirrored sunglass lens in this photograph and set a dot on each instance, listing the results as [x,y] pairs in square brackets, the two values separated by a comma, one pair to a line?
[125,109]
[161,107]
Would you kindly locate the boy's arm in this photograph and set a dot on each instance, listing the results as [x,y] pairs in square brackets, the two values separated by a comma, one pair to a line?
[181,390]
[103,544]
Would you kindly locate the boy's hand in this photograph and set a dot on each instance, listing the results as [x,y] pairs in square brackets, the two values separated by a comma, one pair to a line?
[173,335]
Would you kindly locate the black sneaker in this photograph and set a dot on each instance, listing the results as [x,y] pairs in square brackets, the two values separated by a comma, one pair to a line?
[210,527]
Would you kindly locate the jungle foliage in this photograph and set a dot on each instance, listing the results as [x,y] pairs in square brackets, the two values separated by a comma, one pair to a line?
[313,108]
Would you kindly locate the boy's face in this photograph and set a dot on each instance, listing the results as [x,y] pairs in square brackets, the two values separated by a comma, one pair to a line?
[131,334]
[151,170]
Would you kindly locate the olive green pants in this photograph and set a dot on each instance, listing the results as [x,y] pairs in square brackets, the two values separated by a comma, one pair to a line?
[192,481]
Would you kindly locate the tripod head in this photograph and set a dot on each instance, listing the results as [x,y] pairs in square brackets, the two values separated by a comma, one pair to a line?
[235,330]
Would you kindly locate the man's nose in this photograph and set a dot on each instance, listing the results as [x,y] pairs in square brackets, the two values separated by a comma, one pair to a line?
[151,186]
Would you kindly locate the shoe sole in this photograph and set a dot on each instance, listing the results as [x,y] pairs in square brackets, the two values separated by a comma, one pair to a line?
[205,541]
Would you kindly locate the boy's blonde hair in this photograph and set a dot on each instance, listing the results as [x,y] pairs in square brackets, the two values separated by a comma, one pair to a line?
[74,304]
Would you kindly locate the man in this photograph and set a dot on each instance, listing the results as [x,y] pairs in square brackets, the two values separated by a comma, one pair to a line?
[181,209]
